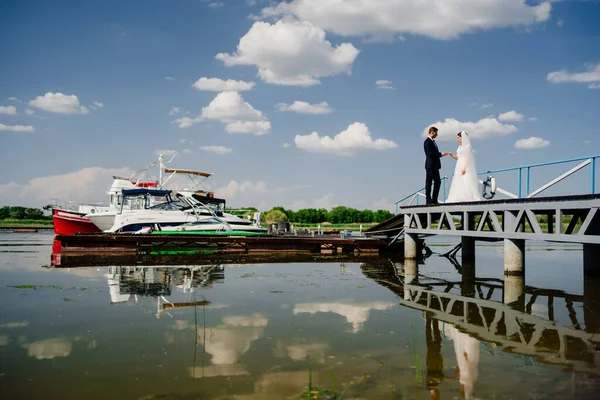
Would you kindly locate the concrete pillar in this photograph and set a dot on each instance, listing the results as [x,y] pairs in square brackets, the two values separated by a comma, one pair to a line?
[591,260]
[514,292]
[411,275]
[514,257]
[411,246]
[468,249]
[514,249]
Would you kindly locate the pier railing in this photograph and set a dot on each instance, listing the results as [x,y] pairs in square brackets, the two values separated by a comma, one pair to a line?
[523,188]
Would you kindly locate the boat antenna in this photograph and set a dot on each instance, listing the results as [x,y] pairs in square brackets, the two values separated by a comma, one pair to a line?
[163,166]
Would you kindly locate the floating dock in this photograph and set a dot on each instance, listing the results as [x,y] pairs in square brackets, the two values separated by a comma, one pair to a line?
[103,248]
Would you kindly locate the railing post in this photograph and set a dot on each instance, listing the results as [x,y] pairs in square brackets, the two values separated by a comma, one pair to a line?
[444,185]
[593,175]
[520,183]
[527,181]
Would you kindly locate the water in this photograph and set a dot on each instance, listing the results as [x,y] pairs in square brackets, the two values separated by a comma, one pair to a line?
[259,331]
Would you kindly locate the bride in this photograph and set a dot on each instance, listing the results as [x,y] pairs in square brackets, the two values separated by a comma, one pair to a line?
[465,185]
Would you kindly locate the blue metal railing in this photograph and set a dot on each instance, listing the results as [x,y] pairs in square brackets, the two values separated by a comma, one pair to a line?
[592,162]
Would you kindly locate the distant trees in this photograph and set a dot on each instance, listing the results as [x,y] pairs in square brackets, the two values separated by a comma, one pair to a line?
[337,215]
[20,213]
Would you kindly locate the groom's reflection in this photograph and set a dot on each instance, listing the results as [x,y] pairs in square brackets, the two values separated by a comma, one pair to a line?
[434,361]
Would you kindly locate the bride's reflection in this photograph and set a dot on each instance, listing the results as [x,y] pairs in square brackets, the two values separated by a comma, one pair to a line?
[466,349]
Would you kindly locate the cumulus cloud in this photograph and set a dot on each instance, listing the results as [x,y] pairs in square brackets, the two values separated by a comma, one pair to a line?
[291,53]
[511,116]
[59,103]
[531,143]
[259,194]
[355,138]
[216,4]
[481,129]
[86,185]
[174,111]
[8,110]
[232,110]
[384,84]
[394,18]
[29,111]
[216,149]
[17,128]
[591,76]
[302,107]
[220,85]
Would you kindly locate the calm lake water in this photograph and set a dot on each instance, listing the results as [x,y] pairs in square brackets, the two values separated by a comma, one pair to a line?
[260,331]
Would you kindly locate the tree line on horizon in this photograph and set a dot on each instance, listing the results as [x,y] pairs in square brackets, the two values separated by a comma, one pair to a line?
[337,215]
[22,213]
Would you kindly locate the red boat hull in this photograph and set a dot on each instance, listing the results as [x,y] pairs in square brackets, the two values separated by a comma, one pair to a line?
[71,222]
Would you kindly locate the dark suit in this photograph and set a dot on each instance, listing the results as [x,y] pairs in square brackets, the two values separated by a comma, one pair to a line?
[432,168]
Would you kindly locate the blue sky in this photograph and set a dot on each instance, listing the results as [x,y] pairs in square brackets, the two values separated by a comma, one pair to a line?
[302,103]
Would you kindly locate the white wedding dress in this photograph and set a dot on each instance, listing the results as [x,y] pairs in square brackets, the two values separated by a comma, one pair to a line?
[465,187]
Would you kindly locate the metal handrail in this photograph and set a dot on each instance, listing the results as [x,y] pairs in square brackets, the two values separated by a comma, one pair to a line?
[587,160]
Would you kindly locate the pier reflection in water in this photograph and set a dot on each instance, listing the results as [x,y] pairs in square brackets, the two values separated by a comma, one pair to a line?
[376,331]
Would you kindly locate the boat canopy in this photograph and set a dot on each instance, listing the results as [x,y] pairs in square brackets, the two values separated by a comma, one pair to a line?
[152,192]
[208,199]
[187,171]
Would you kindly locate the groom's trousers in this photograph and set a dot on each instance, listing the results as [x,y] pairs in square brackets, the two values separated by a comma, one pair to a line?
[432,176]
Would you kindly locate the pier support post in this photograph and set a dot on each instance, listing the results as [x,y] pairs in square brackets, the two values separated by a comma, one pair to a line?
[467,287]
[468,249]
[591,260]
[514,249]
[514,257]
[411,246]
[591,303]
[411,275]
[514,292]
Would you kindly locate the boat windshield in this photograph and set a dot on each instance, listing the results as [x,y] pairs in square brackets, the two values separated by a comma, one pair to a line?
[173,205]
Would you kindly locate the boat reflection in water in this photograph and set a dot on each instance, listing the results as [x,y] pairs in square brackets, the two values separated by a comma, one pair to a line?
[542,325]
[137,284]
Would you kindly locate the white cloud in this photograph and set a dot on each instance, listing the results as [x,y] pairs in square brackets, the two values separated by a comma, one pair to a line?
[487,105]
[216,4]
[29,111]
[174,111]
[302,107]
[533,119]
[531,143]
[96,105]
[483,128]
[255,127]
[187,151]
[169,78]
[220,85]
[216,149]
[231,109]
[511,116]
[291,53]
[392,18]
[384,84]
[592,76]
[59,103]
[186,122]
[356,137]
[17,128]
[285,145]
[15,99]
[8,110]
[86,185]
[258,194]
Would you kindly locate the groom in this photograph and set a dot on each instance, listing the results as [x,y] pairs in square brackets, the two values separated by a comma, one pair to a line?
[432,167]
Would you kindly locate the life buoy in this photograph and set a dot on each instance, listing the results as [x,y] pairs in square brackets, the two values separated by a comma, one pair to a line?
[491,183]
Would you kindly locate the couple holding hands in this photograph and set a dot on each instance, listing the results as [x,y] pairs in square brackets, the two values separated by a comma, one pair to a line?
[465,184]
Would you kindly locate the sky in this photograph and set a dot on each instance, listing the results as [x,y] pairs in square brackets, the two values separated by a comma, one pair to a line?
[298,103]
